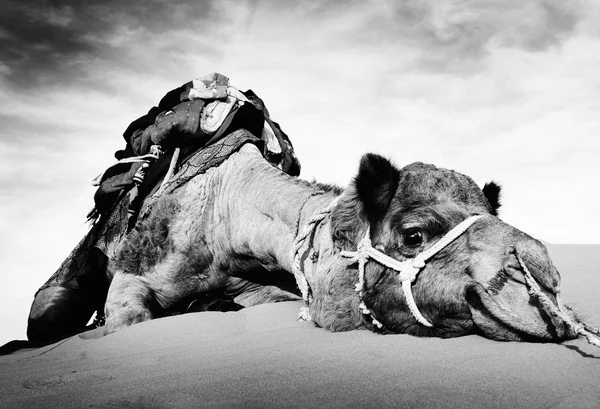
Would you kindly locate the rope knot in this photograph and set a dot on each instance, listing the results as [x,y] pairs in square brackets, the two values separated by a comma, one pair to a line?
[409,269]
[363,245]
[304,314]
[156,150]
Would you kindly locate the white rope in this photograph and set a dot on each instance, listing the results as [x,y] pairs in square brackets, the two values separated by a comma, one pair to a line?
[136,159]
[363,248]
[155,153]
[301,280]
[408,269]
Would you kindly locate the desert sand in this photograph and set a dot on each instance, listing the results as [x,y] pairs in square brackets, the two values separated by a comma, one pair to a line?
[263,357]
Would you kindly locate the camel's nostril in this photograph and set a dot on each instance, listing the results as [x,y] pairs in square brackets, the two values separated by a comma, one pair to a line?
[516,274]
[512,267]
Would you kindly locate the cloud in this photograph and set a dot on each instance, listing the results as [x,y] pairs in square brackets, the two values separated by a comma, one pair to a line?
[458,33]
[47,42]
[43,43]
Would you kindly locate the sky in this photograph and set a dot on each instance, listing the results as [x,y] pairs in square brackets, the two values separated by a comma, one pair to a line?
[503,90]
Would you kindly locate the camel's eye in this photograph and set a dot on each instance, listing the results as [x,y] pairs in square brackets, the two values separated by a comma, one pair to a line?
[412,237]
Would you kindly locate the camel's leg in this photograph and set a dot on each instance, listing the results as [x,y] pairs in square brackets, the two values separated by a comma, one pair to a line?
[129,301]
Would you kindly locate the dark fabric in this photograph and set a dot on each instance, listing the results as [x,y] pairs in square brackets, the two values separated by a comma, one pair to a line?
[137,143]
[173,97]
[126,152]
[249,118]
[141,123]
[84,267]
[257,102]
[175,127]
[168,101]
[246,117]
[115,170]
[289,162]
[116,179]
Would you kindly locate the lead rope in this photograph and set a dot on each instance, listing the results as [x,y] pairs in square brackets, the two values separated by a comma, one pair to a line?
[579,328]
[408,269]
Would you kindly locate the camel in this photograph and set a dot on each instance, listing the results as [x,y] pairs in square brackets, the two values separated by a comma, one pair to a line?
[417,250]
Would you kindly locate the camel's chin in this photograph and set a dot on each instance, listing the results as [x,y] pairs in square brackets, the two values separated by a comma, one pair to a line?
[506,317]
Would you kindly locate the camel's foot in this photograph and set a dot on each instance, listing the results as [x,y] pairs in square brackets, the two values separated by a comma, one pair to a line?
[125,317]
[128,302]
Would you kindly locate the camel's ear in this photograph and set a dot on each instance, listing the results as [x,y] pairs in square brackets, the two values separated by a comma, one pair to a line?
[491,191]
[364,201]
[376,184]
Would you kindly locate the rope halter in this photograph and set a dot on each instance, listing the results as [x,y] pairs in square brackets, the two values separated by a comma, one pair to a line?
[408,269]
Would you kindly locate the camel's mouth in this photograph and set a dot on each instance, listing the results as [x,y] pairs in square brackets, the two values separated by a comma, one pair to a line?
[511,314]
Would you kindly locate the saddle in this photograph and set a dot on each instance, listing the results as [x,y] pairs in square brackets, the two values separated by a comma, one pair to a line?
[189,118]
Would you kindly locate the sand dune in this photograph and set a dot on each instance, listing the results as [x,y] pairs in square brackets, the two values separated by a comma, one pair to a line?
[262,357]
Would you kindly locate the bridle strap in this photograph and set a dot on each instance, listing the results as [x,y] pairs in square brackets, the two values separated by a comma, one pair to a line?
[408,269]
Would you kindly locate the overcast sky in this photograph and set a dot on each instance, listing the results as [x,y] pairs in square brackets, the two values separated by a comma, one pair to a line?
[499,90]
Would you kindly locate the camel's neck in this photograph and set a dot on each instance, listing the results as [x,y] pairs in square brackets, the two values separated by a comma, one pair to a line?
[265,209]
[262,212]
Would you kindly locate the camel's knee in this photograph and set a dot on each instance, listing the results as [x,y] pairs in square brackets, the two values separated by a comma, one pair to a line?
[58,312]
[128,302]
[126,316]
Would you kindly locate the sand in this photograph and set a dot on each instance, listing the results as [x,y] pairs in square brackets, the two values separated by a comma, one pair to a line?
[262,357]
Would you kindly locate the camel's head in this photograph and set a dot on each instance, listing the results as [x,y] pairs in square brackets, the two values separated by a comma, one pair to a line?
[473,285]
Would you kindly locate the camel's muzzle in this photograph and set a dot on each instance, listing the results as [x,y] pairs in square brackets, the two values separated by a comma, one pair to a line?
[520,300]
